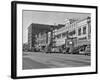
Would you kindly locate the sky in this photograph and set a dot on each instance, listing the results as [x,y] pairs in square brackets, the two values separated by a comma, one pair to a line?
[47,17]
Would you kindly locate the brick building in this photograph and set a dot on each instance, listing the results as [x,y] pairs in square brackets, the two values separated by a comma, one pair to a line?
[38,35]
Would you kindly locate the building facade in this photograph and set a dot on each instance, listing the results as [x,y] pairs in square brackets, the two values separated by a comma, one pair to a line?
[41,40]
[84,32]
[31,37]
[39,35]
[73,34]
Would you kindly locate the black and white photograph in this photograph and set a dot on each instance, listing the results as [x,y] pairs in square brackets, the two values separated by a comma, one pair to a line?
[56,39]
[53,39]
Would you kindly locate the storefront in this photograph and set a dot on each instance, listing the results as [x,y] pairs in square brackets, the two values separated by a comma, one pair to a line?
[71,43]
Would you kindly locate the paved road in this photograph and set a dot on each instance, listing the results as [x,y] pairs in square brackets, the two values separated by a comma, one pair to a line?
[38,60]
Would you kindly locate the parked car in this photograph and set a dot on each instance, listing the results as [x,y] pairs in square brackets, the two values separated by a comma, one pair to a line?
[36,50]
[52,50]
[55,50]
[86,51]
[75,51]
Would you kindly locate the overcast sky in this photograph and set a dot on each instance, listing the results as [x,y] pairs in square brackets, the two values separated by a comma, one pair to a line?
[44,17]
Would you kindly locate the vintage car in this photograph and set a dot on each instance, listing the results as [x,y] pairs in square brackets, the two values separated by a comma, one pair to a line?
[86,51]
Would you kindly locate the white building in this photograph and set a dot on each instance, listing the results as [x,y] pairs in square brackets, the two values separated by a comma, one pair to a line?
[79,31]
[84,31]
[60,36]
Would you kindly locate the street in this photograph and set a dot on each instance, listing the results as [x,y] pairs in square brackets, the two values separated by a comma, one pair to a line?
[39,60]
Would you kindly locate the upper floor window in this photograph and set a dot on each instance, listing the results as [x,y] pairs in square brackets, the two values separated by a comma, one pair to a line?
[64,34]
[58,36]
[72,33]
[84,30]
[79,31]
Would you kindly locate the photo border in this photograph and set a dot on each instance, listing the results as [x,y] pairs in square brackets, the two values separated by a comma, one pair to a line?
[14,38]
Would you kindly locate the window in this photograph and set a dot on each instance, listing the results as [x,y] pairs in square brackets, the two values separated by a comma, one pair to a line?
[58,36]
[72,33]
[64,34]
[83,38]
[79,31]
[84,30]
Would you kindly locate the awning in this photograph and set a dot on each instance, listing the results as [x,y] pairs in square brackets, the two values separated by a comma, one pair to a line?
[83,42]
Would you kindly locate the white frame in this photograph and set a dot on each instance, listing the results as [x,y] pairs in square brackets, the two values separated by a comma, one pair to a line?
[56,7]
